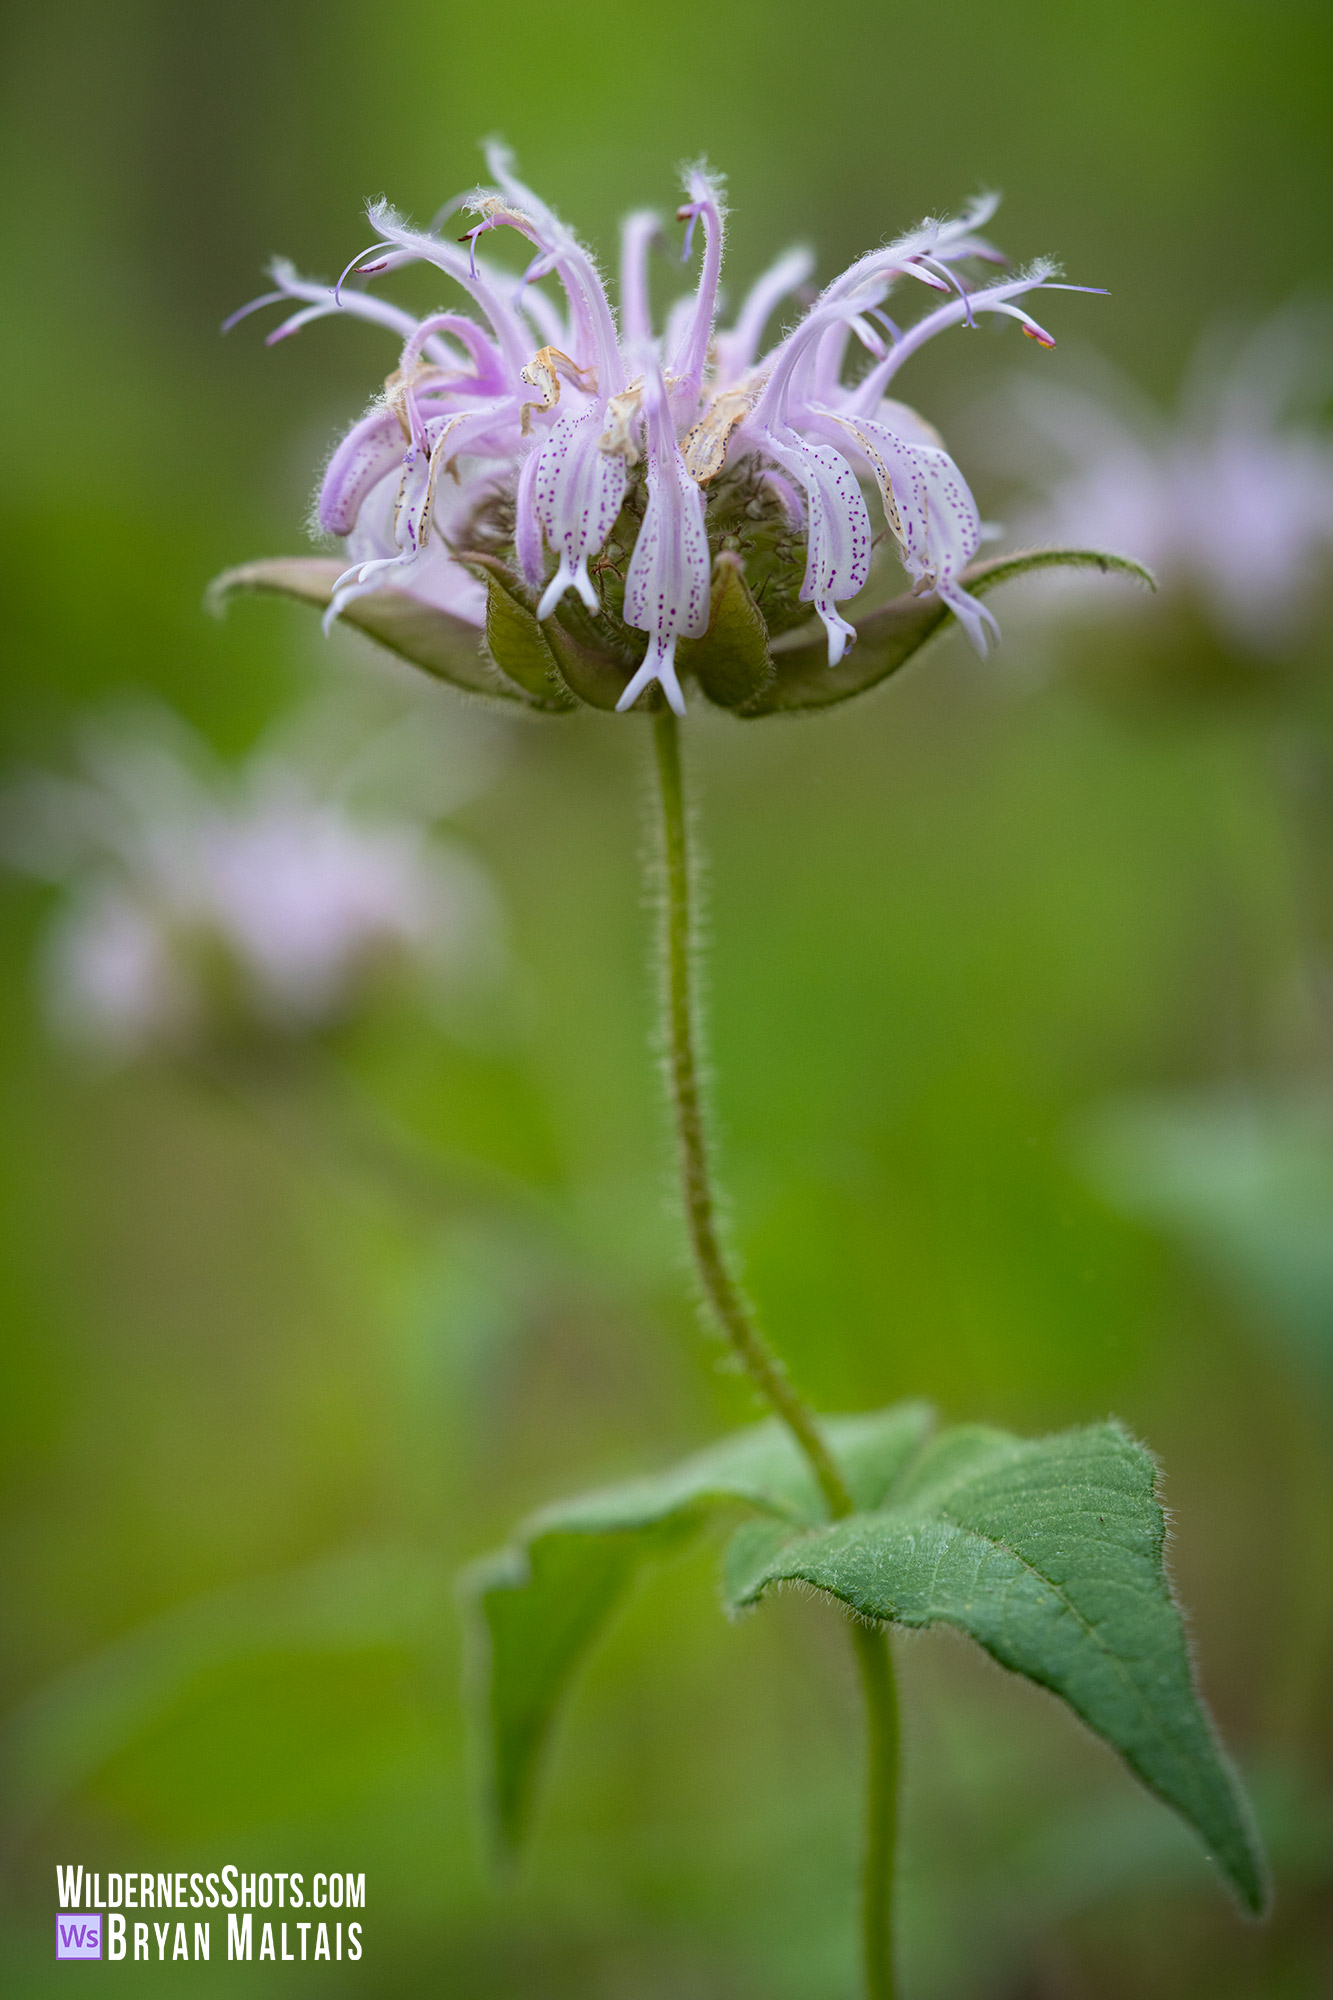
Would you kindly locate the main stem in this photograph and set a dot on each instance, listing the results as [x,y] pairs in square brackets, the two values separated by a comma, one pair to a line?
[879,1849]
[763,1365]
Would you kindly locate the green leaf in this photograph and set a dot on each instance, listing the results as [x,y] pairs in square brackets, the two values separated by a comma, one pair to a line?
[1048,1554]
[543,1601]
[595,676]
[731,662]
[434,640]
[514,637]
[887,639]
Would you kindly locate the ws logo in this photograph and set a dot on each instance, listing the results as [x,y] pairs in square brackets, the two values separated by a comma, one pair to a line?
[79,1937]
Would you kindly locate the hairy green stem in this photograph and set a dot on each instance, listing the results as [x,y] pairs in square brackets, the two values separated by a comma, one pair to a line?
[720,1288]
[761,1364]
[879,1686]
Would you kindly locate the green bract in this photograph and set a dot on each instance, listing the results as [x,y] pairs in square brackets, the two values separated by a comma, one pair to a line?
[1049,1553]
[752,660]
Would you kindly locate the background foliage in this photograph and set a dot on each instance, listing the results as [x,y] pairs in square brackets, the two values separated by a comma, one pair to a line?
[259,1411]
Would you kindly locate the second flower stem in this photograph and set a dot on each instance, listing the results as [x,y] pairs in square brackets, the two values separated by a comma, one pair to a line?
[761,1363]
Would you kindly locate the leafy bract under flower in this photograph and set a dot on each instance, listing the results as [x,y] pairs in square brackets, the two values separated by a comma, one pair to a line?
[613,484]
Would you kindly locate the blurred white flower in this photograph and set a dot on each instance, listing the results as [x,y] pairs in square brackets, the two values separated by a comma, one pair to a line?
[200,900]
[1230,499]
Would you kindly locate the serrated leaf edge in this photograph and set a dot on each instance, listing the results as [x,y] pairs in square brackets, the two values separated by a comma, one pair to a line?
[1256,1907]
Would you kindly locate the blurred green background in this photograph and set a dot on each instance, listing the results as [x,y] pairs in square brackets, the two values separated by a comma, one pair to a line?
[259,1410]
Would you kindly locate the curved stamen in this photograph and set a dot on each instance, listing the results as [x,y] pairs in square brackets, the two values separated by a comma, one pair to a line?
[360,255]
[955,283]
[869,392]
[470,236]
[360,305]
[578,274]
[931,238]
[1030,326]
[412,245]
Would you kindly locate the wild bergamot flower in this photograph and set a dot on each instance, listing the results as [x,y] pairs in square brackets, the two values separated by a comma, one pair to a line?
[200,903]
[616,506]
[1230,499]
[618,511]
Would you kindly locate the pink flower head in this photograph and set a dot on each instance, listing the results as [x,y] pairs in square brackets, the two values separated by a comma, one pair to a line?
[1230,499]
[606,465]
[200,902]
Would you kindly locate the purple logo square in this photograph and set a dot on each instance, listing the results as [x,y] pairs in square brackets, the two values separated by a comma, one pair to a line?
[79,1937]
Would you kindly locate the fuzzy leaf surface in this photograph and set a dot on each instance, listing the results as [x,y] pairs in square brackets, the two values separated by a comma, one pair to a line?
[886,639]
[731,662]
[1050,1555]
[444,646]
[514,638]
[542,1602]
[590,673]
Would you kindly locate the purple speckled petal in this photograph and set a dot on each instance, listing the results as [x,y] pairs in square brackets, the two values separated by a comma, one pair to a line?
[976,619]
[931,512]
[666,589]
[838,550]
[370,449]
[527,526]
[577,490]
